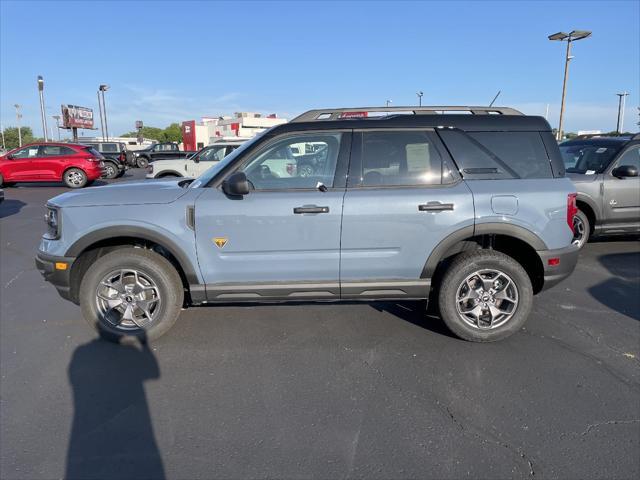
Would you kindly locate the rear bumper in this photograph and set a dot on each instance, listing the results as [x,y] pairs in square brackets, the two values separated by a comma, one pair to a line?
[61,279]
[564,260]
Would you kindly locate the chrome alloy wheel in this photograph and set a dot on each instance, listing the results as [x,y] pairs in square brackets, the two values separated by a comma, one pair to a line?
[128,299]
[487,299]
[579,230]
[75,178]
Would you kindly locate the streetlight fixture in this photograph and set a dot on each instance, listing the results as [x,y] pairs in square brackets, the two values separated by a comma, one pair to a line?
[567,37]
[419,94]
[388,102]
[621,105]
[101,89]
[42,114]
[57,119]
[18,117]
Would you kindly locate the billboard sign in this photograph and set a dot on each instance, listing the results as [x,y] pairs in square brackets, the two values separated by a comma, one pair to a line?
[76,117]
[138,124]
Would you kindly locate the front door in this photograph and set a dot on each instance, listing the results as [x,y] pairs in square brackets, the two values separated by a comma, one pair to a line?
[403,197]
[23,165]
[622,195]
[282,240]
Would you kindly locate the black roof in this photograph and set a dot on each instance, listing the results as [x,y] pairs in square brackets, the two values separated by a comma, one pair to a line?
[470,123]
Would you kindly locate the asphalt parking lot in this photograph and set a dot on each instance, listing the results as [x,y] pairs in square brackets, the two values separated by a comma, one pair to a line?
[319,390]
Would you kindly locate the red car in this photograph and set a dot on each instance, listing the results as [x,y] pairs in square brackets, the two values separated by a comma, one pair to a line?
[75,165]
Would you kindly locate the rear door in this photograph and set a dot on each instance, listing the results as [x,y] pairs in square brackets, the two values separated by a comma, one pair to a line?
[622,195]
[282,240]
[53,160]
[403,197]
[206,159]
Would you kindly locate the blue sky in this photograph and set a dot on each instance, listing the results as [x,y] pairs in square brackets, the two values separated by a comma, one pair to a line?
[169,61]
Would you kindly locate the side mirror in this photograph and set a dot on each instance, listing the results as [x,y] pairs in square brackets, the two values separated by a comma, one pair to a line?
[236,184]
[625,171]
[10,156]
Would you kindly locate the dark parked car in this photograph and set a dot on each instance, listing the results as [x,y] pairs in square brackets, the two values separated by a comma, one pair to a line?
[115,157]
[160,151]
[605,172]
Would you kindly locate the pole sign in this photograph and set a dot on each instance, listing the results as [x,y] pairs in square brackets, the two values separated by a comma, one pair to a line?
[138,124]
[74,116]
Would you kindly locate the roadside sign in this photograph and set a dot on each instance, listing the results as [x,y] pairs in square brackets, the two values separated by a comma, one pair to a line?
[74,116]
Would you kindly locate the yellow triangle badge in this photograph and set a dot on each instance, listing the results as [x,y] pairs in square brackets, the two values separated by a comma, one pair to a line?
[220,241]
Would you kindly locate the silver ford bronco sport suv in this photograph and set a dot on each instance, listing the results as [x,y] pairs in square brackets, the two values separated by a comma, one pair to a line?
[404,203]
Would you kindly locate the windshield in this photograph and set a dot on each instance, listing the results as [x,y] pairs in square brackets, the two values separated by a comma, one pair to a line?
[588,158]
[219,166]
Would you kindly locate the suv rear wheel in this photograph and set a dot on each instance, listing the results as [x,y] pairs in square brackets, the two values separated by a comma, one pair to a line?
[74,178]
[131,292]
[142,162]
[581,229]
[485,296]
[110,170]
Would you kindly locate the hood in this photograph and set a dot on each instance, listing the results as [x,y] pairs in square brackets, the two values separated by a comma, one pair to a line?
[124,193]
[582,177]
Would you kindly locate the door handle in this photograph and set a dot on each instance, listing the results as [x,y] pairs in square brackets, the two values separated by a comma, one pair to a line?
[311,209]
[435,207]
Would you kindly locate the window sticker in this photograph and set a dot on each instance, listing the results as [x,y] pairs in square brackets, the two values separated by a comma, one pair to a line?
[590,172]
[601,150]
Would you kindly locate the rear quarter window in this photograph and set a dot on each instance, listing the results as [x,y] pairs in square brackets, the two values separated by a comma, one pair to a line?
[498,155]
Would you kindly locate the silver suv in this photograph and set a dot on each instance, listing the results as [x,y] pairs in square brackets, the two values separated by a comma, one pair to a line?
[473,211]
[605,172]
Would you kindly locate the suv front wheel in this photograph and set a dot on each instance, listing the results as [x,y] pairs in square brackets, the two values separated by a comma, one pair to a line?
[485,296]
[131,292]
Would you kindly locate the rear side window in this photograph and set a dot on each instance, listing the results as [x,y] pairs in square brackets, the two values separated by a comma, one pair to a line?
[400,158]
[56,150]
[498,155]
[93,152]
[110,148]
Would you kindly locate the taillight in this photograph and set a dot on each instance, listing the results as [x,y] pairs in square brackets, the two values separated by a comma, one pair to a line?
[291,169]
[121,157]
[572,209]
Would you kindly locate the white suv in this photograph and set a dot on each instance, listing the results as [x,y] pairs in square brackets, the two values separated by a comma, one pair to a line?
[194,165]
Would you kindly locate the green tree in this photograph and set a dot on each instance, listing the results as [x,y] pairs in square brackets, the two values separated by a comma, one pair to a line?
[173,133]
[11,136]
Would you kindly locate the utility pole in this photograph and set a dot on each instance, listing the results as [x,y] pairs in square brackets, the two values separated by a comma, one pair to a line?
[419,94]
[42,114]
[569,38]
[4,146]
[388,102]
[57,119]
[18,117]
[621,105]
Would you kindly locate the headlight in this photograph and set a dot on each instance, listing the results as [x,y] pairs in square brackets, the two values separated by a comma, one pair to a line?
[52,220]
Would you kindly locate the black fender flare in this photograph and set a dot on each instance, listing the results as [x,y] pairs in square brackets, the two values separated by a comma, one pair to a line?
[141,233]
[470,231]
[163,173]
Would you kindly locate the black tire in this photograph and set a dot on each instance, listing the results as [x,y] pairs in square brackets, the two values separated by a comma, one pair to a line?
[74,178]
[581,229]
[453,280]
[142,162]
[110,170]
[306,170]
[168,175]
[149,265]
[120,173]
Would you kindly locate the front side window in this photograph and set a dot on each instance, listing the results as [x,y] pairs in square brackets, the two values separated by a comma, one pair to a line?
[276,168]
[588,158]
[214,154]
[631,157]
[399,158]
[27,152]
[109,148]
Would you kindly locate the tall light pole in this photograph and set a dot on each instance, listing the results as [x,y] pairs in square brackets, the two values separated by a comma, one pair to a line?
[566,37]
[388,102]
[18,117]
[57,119]
[621,105]
[4,146]
[101,120]
[103,88]
[419,94]
[42,114]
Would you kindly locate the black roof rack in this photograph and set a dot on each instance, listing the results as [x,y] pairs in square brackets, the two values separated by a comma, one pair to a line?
[362,112]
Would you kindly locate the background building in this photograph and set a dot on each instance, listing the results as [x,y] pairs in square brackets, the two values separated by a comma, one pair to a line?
[243,124]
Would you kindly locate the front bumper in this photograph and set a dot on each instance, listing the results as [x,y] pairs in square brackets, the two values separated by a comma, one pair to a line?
[61,279]
[558,264]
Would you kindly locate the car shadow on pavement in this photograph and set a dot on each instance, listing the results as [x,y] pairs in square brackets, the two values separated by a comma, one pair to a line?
[112,435]
[622,292]
[10,207]
[95,183]
[416,313]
